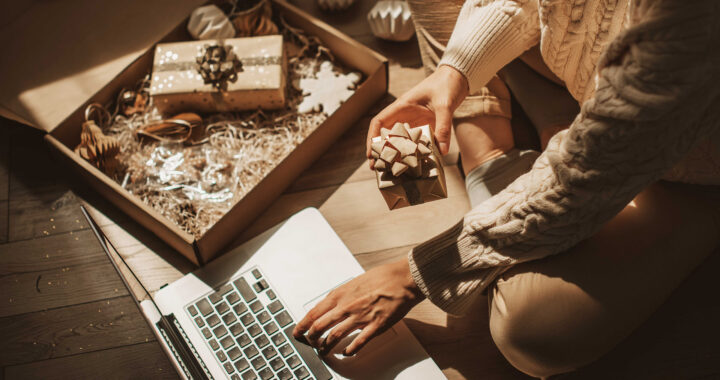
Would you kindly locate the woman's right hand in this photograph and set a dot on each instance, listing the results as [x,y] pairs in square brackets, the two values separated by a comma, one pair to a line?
[431,101]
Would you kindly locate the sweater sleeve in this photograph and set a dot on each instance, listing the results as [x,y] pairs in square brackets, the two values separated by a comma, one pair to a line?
[490,34]
[656,97]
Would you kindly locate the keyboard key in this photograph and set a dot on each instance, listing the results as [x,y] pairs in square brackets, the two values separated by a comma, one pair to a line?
[247,319]
[260,286]
[275,306]
[220,331]
[276,363]
[315,365]
[283,319]
[229,367]
[213,320]
[204,306]
[206,333]
[199,321]
[233,297]
[256,274]
[271,328]
[242,286]
[239,308]
[243,340]
[254,330]
[285,374]
[227,342]
[269,352]
[258,362]
[236,329]
[222,307]
[218,296]
[229,318]
[270,294]
[285,350]
[256,306]
[293,361]
[302,373]
[262,341]
[192,310]
[234,377]
[263,317]
[215,297]
[234,353]
[249,375]
[278,339]
[251,352]
[265,373]
[241,365]
[214,344]
[221,356]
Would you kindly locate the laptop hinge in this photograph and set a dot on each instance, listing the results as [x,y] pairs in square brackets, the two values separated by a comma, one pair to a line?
[182,348]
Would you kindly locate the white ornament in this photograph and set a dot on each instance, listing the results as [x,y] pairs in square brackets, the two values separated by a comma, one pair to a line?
[210,23]
[327,91]
[334,5]
[391,20]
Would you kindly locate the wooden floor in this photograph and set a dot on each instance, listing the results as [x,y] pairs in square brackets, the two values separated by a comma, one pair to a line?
[64,313]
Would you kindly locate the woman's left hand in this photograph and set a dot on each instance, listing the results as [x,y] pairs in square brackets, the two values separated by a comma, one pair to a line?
[373,302]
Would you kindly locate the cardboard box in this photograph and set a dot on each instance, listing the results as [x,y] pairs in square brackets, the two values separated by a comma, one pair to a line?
[422,181]
[64,137]
[176,85]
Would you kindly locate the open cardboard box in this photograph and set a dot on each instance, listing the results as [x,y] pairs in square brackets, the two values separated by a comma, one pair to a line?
[64,137]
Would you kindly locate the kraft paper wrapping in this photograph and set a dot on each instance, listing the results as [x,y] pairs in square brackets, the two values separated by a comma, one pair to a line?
[407,167]
[178,86]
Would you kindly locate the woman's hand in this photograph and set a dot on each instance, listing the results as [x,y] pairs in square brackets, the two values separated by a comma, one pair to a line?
[431,101]
[373,302]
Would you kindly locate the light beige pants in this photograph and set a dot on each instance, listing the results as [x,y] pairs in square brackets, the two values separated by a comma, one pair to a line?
[555,315]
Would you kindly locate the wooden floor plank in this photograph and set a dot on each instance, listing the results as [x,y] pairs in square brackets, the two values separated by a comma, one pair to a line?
[72,330]
[140,361]
[4,159]
[4,219]
[36,291]
[33,218]
[361,218]
[34,175]
[57,251]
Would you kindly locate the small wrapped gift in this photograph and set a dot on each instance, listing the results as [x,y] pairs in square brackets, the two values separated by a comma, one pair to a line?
[407,167]
[219,75]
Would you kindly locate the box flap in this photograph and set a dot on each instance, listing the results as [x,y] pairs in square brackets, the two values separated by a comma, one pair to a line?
[57,54]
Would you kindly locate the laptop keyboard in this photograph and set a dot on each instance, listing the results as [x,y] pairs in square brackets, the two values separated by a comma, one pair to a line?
[247,327]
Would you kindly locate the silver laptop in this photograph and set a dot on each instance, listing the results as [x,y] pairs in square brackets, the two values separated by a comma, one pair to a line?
[234,317]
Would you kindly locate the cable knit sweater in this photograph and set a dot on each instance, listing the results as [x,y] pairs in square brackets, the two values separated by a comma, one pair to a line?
[648,75]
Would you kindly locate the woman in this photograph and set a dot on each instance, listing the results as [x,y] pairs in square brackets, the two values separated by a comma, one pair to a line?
[618,209]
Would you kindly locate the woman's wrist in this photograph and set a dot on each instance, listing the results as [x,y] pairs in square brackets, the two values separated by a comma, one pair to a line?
[456,79]
[402,268]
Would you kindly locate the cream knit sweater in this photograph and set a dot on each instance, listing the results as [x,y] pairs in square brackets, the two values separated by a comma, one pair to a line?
[648,75]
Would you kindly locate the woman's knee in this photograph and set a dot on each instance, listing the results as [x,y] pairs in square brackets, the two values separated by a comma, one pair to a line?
[540,330]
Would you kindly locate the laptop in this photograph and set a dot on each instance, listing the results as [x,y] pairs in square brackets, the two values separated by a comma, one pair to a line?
[233,318]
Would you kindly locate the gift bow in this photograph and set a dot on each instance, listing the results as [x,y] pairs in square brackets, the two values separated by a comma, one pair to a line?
[403,150]
[219,65]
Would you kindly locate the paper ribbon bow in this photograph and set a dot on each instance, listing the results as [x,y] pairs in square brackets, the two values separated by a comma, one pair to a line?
[219,65]
[403,150]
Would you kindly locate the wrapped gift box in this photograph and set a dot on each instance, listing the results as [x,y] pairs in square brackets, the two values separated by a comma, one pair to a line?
[65,136]
[407,166]
[185,78]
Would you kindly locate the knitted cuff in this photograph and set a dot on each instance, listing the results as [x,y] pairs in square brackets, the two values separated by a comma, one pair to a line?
[484,40]
[444,269]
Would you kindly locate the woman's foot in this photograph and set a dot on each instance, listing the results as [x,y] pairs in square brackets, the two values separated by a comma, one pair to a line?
[482,138]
